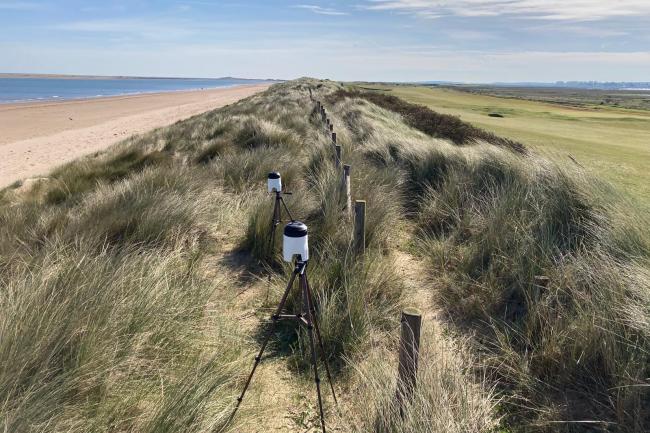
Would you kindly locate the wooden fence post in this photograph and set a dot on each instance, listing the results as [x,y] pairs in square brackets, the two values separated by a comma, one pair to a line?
[331,127]
[360,226]
[337,156]
[334,137]
[347,192]
[409,349]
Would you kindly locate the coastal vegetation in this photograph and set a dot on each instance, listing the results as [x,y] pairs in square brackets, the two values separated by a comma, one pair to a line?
[606,135]
[135,284]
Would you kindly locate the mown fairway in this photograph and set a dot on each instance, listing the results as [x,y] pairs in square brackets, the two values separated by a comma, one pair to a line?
[614,142]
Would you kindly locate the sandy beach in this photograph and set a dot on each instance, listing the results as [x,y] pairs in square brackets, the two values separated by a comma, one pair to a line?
[37,137]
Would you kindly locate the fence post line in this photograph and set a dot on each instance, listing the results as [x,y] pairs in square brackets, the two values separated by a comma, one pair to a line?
[337,156]
[347,191]
[360,226]
[409,349]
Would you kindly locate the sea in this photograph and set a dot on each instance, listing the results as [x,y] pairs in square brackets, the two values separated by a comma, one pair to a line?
[52,89]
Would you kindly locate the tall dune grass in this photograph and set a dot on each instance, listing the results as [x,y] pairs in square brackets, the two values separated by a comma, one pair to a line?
[108,319]
[443,400]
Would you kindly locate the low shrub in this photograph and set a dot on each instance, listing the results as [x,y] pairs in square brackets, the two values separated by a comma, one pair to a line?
[428,121]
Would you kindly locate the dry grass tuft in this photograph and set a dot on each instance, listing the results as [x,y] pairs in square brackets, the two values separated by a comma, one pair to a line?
[107,313]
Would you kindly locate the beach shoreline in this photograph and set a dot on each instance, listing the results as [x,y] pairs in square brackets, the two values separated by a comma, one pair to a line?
[59,99]
[36,137]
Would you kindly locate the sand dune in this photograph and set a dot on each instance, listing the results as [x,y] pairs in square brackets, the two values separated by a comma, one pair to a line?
[36,137]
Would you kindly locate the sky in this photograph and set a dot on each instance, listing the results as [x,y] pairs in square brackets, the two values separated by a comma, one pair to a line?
[373,40]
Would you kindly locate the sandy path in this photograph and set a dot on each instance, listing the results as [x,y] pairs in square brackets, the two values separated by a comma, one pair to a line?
[35,138]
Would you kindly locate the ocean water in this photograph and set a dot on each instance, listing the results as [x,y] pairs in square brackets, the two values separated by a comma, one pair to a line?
[47,89]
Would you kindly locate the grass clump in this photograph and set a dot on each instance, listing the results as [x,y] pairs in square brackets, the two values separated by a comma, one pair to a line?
[103,327]
[254,133]
[74,179]
[443,401]
[103,300]
[492,228]
[428,121]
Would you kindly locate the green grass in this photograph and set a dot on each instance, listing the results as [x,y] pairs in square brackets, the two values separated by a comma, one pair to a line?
[611,142]
[118,292]
[491,221]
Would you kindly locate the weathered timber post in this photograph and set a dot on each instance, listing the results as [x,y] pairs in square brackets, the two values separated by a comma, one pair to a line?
[337,156]
[347,193]
[334,137]
[409,348]
[331,127]
[360,226]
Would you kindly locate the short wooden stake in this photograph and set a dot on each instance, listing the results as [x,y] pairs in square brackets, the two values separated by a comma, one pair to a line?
[347,190]
[331,127]
[409,349]
[360,226]
[337,156]
[334,137]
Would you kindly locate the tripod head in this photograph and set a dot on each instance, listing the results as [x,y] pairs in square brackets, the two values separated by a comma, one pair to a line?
[300,266]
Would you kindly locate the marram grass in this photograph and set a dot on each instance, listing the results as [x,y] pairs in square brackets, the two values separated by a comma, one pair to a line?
[113,315]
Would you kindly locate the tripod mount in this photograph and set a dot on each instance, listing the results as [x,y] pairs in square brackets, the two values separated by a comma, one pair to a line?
[276,219]
[307,318]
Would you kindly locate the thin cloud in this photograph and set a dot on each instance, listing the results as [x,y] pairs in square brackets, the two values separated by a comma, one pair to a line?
[562,10]
[132,27]
[321,10]
[19,6]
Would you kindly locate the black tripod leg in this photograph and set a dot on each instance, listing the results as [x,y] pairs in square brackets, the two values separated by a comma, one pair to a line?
[320,339]
[274,224]
[286,209]
[258,358]
[314,362]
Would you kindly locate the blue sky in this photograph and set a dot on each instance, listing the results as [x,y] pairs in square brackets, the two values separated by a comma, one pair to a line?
[399,40]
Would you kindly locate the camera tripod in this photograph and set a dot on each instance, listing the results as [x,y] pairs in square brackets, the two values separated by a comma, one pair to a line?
[277,217]
[307,318]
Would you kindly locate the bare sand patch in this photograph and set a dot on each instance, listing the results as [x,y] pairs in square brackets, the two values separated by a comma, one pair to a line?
[37,137]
